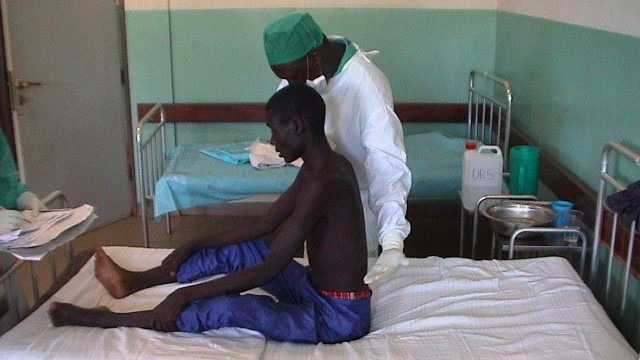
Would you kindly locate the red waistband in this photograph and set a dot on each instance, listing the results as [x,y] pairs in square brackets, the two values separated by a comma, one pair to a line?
[347,295]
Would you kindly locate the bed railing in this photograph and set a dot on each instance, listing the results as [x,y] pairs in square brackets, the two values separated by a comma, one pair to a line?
[611,181]
[151,149]
[488,121]
[489,113]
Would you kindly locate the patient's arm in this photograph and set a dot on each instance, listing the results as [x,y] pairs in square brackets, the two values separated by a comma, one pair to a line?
[277,213]
[297,227]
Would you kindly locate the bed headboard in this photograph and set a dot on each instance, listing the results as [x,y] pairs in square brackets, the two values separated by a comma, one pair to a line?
[252,112]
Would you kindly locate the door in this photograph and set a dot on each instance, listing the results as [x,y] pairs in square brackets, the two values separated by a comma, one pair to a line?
[65,61]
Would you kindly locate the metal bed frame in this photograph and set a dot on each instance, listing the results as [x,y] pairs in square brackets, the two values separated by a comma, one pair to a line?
[489,114]
[489,121]
[151,162]
[610,180]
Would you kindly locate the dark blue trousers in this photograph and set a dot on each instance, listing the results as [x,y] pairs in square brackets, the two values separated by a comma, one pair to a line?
[301,314]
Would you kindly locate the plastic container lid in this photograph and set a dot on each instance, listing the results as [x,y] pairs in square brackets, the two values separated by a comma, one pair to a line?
[470,145]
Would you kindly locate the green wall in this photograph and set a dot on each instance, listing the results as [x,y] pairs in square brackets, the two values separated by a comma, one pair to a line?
[216,55]
[575,88]
[149,57]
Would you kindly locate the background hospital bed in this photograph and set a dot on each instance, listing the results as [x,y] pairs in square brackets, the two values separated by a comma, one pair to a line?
[173,176]
[620,166]
[434,308]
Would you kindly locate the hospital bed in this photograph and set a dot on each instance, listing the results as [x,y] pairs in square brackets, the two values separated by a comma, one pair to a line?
[433,308]
[174,176]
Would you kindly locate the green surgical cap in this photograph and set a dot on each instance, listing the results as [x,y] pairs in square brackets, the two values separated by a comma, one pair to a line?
[291,37]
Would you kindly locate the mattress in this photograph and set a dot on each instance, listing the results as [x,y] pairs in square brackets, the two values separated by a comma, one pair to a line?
[193,179]
[440,308]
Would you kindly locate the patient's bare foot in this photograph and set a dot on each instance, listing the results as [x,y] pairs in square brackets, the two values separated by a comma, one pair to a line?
[64,314]
[115,279]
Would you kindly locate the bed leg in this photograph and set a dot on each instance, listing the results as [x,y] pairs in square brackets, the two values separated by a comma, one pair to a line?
[34,283]
[493,245]
[463,219]
[52,265]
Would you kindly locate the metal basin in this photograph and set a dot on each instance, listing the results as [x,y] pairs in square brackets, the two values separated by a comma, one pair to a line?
[506,218]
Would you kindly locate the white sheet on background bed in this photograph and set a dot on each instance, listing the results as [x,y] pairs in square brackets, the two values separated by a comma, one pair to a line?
[434,308]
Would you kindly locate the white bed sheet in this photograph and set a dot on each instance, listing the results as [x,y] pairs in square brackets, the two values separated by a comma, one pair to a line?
[434,308]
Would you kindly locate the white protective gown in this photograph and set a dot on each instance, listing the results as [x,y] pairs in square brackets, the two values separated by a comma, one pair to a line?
[362,124]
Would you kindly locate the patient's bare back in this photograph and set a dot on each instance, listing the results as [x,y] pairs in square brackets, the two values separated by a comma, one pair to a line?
[336,246]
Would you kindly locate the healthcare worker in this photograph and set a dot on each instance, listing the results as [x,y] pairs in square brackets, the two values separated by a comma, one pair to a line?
[13,194]
[360,121]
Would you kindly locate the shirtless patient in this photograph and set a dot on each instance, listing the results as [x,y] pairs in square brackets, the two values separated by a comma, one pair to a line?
[326,301]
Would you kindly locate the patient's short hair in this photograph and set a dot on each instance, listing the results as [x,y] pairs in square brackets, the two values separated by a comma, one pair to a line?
[298,100]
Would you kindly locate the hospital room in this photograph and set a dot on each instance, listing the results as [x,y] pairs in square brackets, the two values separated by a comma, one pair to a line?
[141,123]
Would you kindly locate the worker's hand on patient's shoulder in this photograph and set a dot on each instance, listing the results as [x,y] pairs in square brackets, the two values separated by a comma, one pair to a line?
[10,220]
[29,201]
[387,263]
[166,313]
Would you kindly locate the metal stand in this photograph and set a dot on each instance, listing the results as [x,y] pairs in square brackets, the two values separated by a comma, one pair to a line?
[550,240]
[464,213]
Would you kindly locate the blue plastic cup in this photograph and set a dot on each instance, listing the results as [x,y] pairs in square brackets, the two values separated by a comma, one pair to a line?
[563,213]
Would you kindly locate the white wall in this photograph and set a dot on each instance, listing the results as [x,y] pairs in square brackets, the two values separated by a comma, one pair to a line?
[239,4]
[619,16]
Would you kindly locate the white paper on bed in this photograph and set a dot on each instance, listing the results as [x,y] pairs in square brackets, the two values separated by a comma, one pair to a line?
[434,308]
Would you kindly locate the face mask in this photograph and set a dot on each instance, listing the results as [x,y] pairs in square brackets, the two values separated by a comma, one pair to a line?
[319,83]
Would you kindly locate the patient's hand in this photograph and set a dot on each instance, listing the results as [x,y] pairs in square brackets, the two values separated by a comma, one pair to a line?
[166,313]
[176,258]
[386,265]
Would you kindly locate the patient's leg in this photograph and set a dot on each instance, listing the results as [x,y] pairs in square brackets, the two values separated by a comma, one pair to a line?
[121,282]
[64,314]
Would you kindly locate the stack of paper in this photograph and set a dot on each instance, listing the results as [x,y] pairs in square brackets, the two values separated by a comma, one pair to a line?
[50,229]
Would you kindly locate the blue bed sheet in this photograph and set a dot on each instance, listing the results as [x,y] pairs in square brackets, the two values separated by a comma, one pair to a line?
[195,179]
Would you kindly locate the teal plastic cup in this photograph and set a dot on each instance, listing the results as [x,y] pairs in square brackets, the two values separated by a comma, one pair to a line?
[524,166]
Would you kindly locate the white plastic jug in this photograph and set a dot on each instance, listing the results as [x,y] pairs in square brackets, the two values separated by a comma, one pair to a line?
[481,174]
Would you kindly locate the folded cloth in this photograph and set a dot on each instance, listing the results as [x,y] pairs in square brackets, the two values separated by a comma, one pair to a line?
[233,153]
[264,156]
[627,203]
